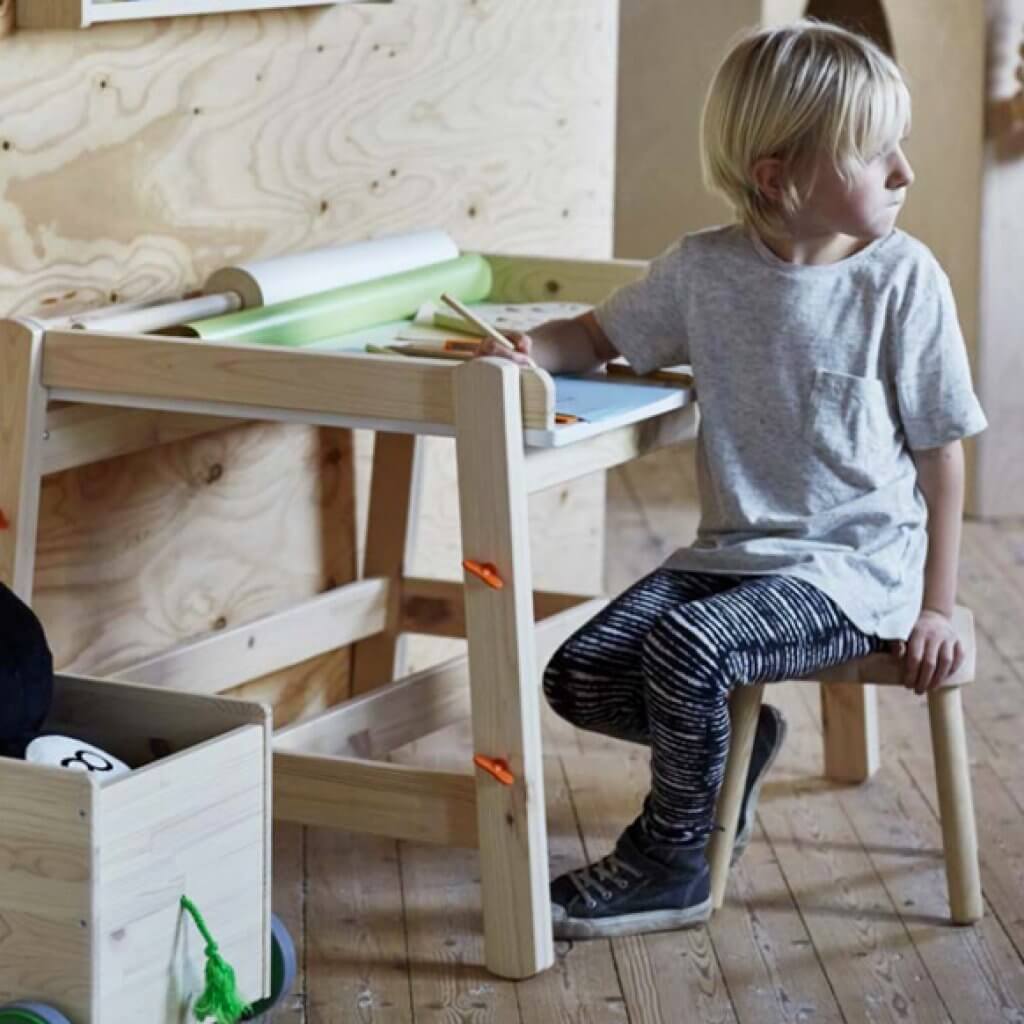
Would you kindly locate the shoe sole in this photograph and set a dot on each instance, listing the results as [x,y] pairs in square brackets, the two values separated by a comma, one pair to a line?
[742,840]
[631,924]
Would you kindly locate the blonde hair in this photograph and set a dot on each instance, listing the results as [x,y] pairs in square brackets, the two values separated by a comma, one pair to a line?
[793,93]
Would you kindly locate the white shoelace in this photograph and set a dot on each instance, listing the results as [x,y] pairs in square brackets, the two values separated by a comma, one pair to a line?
[606,869]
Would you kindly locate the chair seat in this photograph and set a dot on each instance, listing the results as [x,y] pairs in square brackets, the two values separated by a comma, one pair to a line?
[887,670]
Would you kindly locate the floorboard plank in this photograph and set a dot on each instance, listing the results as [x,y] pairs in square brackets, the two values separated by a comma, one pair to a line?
[443,913]
[288,902]
[872,965]
[766,953]
[583,986]
[355,930]
[666,975]
[976,970]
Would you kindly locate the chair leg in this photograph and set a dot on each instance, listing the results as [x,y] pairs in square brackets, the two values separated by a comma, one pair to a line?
[956,804]
[849,722]
[744,708]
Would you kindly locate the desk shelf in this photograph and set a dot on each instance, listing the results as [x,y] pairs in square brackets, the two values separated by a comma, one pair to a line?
[65,14]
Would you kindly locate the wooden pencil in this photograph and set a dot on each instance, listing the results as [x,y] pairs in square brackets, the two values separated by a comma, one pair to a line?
[499,339]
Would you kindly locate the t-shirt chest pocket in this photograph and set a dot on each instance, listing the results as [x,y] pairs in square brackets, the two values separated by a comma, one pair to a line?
[849,419]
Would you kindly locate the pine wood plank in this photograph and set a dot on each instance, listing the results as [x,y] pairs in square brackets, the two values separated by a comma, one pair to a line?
[505,701]
[218,375]
[976,970]
[763,947]
[395,488]
[374,796]
[357,955]
[289,903]
[443,914]
[77,435]
[548,280]
[48,891]
[230,657]
[22,414]
[1001,836]
[437,607]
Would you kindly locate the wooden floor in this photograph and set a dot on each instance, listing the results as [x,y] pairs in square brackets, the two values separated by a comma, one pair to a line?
[837,911]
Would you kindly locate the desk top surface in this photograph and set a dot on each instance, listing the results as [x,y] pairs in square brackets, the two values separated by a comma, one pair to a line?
[333,386]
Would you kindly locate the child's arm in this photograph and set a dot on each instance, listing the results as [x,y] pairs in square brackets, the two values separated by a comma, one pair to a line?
[933,651]
[559,346]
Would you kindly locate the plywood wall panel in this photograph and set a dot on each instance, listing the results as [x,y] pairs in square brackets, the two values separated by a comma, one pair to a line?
[136,158]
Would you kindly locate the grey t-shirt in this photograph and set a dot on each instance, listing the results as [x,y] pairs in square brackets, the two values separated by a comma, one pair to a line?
[813,382]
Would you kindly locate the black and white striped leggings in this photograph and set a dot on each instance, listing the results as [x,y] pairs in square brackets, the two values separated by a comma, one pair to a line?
[656,666]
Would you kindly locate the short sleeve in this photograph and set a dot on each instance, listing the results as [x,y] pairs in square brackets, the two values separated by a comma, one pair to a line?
[644,319]
[936,399]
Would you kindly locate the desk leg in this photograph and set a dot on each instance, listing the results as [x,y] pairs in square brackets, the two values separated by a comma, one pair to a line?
[22,422]
[849,722]
[394,494]
[503,685]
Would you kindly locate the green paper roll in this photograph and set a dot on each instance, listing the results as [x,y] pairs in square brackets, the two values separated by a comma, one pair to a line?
[351,307]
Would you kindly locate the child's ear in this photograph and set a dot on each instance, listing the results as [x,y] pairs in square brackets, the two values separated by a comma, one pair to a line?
[768,177]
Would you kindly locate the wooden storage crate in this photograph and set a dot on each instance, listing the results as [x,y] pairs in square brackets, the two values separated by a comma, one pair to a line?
[92,873]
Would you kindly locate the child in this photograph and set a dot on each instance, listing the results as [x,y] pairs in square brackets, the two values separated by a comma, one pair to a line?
[834,391]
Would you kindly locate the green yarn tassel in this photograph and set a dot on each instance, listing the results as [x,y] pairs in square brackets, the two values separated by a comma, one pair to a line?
[220,999]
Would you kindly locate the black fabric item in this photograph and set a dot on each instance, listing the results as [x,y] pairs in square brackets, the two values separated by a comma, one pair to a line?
[771,732]
[26,675]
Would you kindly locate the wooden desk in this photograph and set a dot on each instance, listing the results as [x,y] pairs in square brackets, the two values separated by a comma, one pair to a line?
[328,771]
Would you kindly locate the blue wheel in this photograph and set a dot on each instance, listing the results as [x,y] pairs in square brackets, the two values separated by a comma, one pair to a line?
[31,1013]
[283,968]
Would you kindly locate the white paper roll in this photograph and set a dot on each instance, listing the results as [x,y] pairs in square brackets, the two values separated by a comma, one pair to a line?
[293,276]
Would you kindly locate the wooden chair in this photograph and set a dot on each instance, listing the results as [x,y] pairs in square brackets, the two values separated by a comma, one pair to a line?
[949,748]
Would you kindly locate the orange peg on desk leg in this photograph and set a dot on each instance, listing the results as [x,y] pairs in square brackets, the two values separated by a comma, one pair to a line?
[4,522]
[496,766]
[487,571]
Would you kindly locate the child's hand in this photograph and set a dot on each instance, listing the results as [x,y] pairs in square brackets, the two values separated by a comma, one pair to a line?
[522,342]
[931,654]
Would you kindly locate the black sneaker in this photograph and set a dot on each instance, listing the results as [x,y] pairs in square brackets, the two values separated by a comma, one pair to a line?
[771,731]
[630,892]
